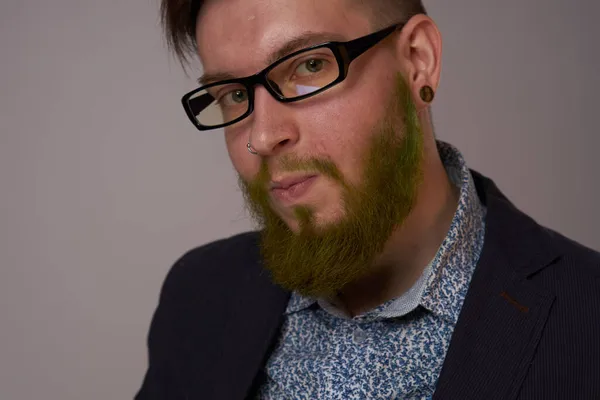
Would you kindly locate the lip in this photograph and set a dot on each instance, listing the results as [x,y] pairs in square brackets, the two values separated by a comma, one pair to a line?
[287,182]
[290,189]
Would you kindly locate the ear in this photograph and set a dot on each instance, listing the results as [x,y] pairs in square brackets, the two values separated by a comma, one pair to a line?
[419,50]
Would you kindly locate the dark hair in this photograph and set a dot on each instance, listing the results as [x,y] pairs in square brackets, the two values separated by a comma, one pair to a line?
[178,18]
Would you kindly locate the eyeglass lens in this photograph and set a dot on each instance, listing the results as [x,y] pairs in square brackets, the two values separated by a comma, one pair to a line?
[298,76]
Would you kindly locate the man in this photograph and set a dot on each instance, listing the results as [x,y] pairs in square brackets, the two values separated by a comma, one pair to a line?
[384,268]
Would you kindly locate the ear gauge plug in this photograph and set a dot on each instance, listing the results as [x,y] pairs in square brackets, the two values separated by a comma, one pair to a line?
[426,94]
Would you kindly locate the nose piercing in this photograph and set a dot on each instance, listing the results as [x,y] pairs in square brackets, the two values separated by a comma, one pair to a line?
[250,149]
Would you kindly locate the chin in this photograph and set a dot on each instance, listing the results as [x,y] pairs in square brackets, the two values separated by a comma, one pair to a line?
[324,214]
[293,224]
[322,220]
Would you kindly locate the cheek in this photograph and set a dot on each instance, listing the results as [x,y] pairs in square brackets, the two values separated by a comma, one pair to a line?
[246,164]
[344,132]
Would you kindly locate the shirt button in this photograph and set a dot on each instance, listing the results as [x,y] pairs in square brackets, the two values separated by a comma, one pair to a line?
[359,336]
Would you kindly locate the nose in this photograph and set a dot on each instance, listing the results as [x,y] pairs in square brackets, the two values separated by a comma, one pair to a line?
[274,128]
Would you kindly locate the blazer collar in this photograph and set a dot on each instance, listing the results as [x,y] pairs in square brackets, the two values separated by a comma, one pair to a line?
[504,313]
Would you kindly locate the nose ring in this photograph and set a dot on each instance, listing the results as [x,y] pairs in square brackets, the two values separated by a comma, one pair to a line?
[250,149]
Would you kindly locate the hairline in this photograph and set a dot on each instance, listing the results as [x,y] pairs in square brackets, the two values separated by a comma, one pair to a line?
[180,18]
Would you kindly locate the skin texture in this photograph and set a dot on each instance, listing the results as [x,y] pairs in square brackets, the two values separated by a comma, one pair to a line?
[239,37]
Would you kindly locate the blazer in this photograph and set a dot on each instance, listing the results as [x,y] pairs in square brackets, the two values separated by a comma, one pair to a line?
[529,327]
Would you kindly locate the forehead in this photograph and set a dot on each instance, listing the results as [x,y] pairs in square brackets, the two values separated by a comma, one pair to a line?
[239,37]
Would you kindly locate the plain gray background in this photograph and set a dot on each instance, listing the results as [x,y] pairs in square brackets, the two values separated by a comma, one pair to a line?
[104,183]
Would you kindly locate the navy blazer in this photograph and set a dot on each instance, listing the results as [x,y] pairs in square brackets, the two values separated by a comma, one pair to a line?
[529,327]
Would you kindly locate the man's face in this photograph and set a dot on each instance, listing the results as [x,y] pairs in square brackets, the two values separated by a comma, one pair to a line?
[240,36]
[359,142]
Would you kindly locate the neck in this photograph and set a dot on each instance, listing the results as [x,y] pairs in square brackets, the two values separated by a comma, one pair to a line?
[413,245]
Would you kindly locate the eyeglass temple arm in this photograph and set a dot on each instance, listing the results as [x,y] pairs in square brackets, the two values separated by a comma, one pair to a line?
[358,46]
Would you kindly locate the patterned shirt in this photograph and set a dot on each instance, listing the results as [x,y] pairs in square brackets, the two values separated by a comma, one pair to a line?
[396,350]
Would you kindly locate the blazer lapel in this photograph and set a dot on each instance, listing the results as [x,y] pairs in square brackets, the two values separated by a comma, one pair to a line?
[504,313]
[252,315]
[253,328]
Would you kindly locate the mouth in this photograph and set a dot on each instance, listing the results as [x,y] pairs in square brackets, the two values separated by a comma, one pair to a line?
[291,189]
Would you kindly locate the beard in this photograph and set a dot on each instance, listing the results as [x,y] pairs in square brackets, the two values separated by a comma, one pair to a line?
[319,261]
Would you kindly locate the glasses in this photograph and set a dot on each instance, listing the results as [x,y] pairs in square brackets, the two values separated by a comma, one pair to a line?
[297,76]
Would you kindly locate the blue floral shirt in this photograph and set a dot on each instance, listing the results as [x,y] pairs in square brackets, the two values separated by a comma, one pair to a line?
[396,350]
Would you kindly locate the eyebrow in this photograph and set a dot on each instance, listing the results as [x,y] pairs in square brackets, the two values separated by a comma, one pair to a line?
[305,39]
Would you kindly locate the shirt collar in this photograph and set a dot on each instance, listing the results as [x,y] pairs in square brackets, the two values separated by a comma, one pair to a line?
[298,302]
[455,261]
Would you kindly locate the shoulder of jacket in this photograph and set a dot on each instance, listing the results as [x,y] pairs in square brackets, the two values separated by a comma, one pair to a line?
[219,263]
[581,259]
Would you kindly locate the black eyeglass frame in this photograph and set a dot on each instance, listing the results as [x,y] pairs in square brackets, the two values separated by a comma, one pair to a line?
[344,52]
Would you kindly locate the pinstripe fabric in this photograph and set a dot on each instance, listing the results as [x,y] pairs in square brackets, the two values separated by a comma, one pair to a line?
[569,349]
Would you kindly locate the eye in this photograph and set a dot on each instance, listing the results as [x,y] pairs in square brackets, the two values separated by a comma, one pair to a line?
[311,66]
[234,97]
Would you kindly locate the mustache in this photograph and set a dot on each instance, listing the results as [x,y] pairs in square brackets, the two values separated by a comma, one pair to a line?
[292,163]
